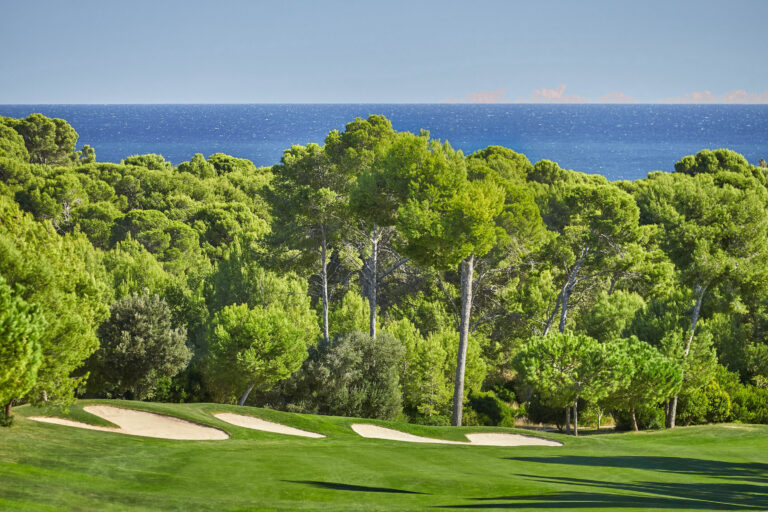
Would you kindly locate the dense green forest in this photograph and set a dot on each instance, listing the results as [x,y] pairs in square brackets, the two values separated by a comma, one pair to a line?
[385,275]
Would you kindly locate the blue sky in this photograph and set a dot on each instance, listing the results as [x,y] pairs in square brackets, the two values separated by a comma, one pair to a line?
[236,51]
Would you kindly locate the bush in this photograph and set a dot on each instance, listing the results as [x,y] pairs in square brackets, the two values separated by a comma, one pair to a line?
[710,404]
[750,404]
[647,418]
[491,410]
[351,375]
[539,412]
[139,346]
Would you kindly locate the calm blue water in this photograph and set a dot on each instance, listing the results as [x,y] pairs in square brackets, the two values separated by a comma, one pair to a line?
[618,141]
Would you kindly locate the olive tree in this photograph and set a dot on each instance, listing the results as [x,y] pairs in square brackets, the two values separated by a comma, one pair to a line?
[139,345]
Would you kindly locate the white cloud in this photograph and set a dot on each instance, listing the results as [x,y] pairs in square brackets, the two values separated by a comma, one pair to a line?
[616,97]
[741,96]
[732,97]
[558,95]
[692,97]
[479,97]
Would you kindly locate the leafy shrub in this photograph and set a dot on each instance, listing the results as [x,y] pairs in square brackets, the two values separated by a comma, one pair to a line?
[539,412]
[710,404]
[647,418]
[351,375]
[139,345]
[491,410]
[750,404]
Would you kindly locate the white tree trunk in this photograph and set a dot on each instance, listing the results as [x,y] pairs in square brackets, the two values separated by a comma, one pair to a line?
[672,412]
[467,274]
[324,284]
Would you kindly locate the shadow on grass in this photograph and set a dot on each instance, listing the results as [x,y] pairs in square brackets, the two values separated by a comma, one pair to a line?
[348,487]
[752,471]
[646,495]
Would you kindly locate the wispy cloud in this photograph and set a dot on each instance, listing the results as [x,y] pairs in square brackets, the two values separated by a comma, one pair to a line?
[692,97]
[558,95]
[741,96]
[616,97]
[733,97]
[480,97]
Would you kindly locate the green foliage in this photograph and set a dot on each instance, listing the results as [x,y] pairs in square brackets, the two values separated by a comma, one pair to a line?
[712,232]
[491,410]
[225,164]
[239,279]
[650,377]
[139,346]
[538,410]
[48,141]
[12,143]
[14,173]
[749,404]
[611,315]
[259,343]
[354,375]
[426,388]
[21,326]
[563,367]
[611,260]
[308,199]
[198,167]
[501,161]
[710,404]
[350,315]
[647,417]
[151,161]
[476,367]
[713,162]
[96,220]
[72,297]
[132,269]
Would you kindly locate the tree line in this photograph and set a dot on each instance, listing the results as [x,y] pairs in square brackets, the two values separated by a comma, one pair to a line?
[384,274]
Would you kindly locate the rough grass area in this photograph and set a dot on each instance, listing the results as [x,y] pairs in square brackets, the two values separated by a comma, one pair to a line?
[51,467]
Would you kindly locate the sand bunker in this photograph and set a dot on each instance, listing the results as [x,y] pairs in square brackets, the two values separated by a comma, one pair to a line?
[267,426]
[377,432]
[497,439]
[501,439]
[141,423]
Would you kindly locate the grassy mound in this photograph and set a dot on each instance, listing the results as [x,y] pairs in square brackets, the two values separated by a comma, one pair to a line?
[42,466]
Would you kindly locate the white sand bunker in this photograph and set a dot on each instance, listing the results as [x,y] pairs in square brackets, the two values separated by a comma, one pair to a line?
[141,423]
[267,426]
[498,439]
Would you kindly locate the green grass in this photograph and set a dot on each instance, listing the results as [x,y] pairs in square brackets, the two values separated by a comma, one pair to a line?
[51,467]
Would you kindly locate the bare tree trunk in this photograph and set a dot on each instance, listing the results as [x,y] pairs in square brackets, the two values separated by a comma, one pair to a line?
[672,413]
[599,417]
[324,283]
[467,274]
[569,289]
[8,408]
[551,318]
[576,417]
[245,394]
[568,420]
[634,419]
[373,278]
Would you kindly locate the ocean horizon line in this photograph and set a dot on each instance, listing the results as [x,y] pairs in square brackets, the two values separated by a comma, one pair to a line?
[586,104]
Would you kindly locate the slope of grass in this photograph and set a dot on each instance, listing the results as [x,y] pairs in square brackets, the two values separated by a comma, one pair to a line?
[51,467]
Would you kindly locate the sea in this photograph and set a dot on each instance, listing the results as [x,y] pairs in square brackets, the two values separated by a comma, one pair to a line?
[617,141]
